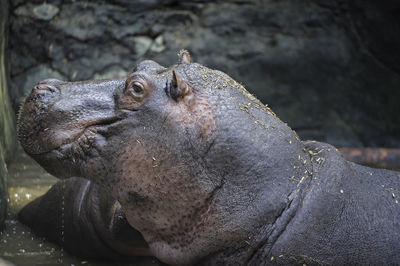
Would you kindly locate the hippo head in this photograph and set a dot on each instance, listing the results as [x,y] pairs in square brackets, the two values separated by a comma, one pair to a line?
[201,168]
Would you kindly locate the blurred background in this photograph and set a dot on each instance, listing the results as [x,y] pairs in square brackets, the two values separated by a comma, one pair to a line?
[329,68]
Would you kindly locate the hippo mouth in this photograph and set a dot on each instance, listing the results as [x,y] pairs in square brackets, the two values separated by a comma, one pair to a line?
[63,155]
[37,138]
[50,139]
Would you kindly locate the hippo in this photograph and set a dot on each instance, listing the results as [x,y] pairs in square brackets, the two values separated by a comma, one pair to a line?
[184,164]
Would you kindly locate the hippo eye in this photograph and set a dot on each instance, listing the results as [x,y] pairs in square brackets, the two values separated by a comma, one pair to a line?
[137,87]
[136,91]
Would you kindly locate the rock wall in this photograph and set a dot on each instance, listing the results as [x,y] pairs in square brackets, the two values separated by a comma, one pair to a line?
[328,68]
[7,122]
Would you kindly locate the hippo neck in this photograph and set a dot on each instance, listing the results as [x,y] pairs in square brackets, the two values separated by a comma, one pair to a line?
[261,253]
[259,245]
[268,195]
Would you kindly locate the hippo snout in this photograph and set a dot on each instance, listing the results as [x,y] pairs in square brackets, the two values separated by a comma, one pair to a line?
[56,113]
[33,116]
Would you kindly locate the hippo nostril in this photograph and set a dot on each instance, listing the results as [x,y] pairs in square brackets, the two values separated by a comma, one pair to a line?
[45,87]
[41,87]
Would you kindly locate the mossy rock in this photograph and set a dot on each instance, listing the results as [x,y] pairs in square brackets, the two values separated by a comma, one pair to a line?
[3,190]
[7,121]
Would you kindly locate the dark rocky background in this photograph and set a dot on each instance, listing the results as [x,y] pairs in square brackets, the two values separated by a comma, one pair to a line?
[329,68]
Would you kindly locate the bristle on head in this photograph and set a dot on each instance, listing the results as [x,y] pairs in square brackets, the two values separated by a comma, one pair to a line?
[184,57]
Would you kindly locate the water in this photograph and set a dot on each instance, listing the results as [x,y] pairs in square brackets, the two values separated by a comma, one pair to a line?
[17,243]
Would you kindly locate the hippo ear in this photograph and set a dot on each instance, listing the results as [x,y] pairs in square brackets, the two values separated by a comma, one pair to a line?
[178,87]
[184,57]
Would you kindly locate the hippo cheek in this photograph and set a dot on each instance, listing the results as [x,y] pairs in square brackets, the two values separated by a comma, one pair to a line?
[159,197]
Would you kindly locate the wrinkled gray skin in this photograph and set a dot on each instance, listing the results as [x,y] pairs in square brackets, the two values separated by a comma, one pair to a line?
[206,173]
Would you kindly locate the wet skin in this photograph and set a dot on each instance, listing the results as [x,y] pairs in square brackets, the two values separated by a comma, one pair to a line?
[205,172]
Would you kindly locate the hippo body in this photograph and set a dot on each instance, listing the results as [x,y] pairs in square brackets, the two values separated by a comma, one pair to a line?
[205,172]
[76,214]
